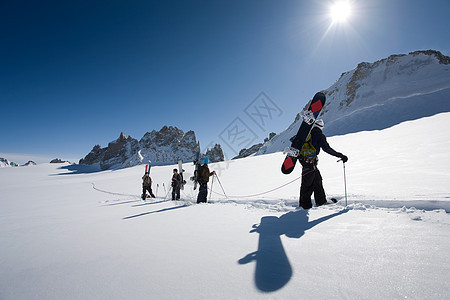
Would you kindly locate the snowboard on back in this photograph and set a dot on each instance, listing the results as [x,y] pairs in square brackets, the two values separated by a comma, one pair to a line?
[181,171]
[196,165]
[309,118]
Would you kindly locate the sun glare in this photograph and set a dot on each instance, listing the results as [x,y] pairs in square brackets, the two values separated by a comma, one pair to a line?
[340,11]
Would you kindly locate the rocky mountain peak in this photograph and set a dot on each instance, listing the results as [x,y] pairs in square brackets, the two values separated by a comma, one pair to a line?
[443,59]
[164,137]
[377,95]
[399,75]
[166,146]
[6,163]
[58,161]
[215,154]
[122,136]
[255,148]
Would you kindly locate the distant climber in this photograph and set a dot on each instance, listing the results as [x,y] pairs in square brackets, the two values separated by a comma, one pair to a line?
[176,185]
[147,186]
[203,179]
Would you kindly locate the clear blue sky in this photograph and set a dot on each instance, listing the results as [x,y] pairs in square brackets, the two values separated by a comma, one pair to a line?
[76,73]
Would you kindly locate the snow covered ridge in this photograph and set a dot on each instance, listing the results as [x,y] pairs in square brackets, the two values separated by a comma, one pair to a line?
[378,95]
[253,149]
[58,161]
[6,163]
[162,147]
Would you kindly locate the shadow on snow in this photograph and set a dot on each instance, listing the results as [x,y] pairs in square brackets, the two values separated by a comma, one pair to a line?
[153,212]
[273,270]
[79,169]
[122,202]
[150,203]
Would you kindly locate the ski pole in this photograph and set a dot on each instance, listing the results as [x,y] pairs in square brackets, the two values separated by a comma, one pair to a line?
[157,187]
[164,188]
[221,186]
[210,194]
[168,193]
[345,184]
[345,181]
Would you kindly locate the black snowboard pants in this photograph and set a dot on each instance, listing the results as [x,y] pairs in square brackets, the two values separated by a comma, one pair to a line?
[176,192]
[202,193]
[311,183]
[146,188]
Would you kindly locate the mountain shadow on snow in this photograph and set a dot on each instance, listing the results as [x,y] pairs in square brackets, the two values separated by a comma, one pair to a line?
[79,169]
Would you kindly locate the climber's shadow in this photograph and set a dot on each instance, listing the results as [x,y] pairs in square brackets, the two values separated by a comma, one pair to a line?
[273,269]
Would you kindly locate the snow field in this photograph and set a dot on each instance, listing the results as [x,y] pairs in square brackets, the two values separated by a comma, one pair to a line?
[69,233]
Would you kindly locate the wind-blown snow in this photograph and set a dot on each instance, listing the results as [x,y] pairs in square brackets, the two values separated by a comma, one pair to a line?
[71,233]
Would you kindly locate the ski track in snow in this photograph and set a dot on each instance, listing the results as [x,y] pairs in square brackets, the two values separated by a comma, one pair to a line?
[418,210]
[285,205]
[112,193]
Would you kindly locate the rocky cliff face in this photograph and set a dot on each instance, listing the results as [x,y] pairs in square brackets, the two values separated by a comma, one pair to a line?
[121,152]
[162,147]
[168,145]
[253,149]
[58,161]
[387,92]
[215,154]
[6,163]
[378,95]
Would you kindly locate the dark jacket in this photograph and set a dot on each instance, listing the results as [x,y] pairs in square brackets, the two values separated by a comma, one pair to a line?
[146,180]
[319,141]
[204,174]
[176,180]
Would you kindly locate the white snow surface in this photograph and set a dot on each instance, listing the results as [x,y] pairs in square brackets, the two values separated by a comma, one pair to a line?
[67,232]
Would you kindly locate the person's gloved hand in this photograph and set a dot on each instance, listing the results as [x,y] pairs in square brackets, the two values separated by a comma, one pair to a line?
[344,158]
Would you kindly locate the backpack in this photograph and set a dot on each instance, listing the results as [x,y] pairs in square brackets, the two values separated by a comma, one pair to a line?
[202,174]
[308,153]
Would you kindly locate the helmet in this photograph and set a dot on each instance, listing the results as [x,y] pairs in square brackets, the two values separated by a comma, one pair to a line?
[319,123]
[206,160]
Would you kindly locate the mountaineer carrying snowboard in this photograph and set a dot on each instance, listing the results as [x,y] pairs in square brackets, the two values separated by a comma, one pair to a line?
[311,178]
[203,179]
[146,186]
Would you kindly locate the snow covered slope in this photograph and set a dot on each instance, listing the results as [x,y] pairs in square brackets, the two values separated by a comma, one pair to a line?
[379,95]
[71,233]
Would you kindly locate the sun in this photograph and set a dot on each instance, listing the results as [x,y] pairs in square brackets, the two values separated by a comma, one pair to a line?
[340,11]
